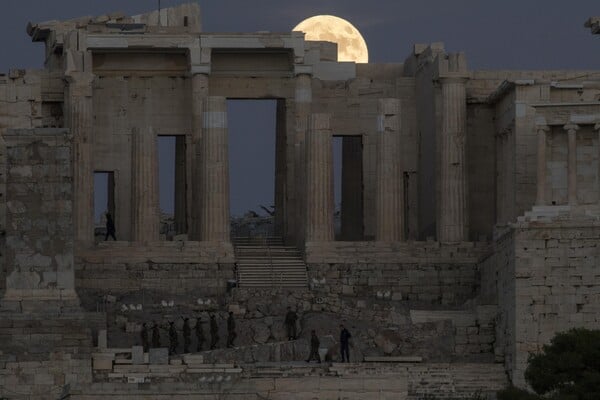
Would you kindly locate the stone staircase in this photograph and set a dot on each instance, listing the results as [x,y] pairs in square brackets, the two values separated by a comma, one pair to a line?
[266,263]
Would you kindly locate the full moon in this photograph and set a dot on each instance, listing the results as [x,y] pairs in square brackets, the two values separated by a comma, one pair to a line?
[351,45]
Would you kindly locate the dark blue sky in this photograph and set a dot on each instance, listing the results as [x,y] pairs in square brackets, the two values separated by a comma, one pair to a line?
[508,34]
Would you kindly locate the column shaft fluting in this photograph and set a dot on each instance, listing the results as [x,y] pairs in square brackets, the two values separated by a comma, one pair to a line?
[214,195]
[541,166]
[80,123]
[302,109]
[453,222]
[597,129]
[79,120]
[144,186]
[319,180]
[389,199]
[572,163]
[199,94]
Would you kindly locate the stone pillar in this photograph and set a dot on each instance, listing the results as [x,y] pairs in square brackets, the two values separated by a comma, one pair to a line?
[180,186]
[79,121]
[199,94]
[542,131]
[319,180]
[572,163]
[453,222]
[302,109]
[389,199]
[214,190]
[597,128]
[500,177]
[144,186]
[280,169]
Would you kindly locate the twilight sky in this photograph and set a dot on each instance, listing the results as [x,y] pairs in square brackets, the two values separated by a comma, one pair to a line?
[508,34]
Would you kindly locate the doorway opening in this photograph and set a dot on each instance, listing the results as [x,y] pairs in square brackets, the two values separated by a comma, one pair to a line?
[104,201]
[255,160]
[172,185]
[348,187]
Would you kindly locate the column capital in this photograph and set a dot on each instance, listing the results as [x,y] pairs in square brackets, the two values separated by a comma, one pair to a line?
[448,79]
[542,128]
[571,128]
[200,69]
[80,83]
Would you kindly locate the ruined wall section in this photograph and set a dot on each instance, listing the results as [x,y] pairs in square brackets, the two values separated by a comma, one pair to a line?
[39,230]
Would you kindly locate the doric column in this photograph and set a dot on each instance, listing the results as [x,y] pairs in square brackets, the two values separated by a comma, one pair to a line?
[597,129]
[144,186]
[572,162]
[214,190]
[319,180]
[453,222]
[542,131]
[389,208]
[79,121]
[199,94]
[302,108]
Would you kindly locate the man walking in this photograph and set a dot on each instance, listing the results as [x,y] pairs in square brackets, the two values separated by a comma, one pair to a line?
[345,343]
[110,227]
[199,333]
[314,347]
[155,336]
[173,340]
[290,323]
[144,334]
[214,332]
[231,335]
[187,333]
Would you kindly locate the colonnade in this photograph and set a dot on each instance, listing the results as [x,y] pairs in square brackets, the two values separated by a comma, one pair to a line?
[542,143]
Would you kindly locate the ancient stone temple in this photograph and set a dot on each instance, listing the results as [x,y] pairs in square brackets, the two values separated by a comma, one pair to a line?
[470,217]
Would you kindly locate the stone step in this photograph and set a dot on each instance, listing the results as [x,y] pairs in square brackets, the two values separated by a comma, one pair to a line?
[260,265]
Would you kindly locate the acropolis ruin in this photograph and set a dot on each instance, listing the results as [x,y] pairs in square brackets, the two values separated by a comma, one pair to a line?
[470,216]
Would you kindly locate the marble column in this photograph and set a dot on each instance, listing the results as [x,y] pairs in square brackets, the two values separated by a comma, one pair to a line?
[500,178]
[199,94]
[214,180]
[79,121]
[572,163]
[453,224]
[542,131]
[319,180]
[389,198]
[144,186]
[302,109]
[597,129]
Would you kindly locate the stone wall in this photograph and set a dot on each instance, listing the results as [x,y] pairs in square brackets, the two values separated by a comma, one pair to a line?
[39,241]
[498,287]
[301,382]
[557,282]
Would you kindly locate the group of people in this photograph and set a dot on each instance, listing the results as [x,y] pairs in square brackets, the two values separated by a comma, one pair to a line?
[151,336]
[344,345]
